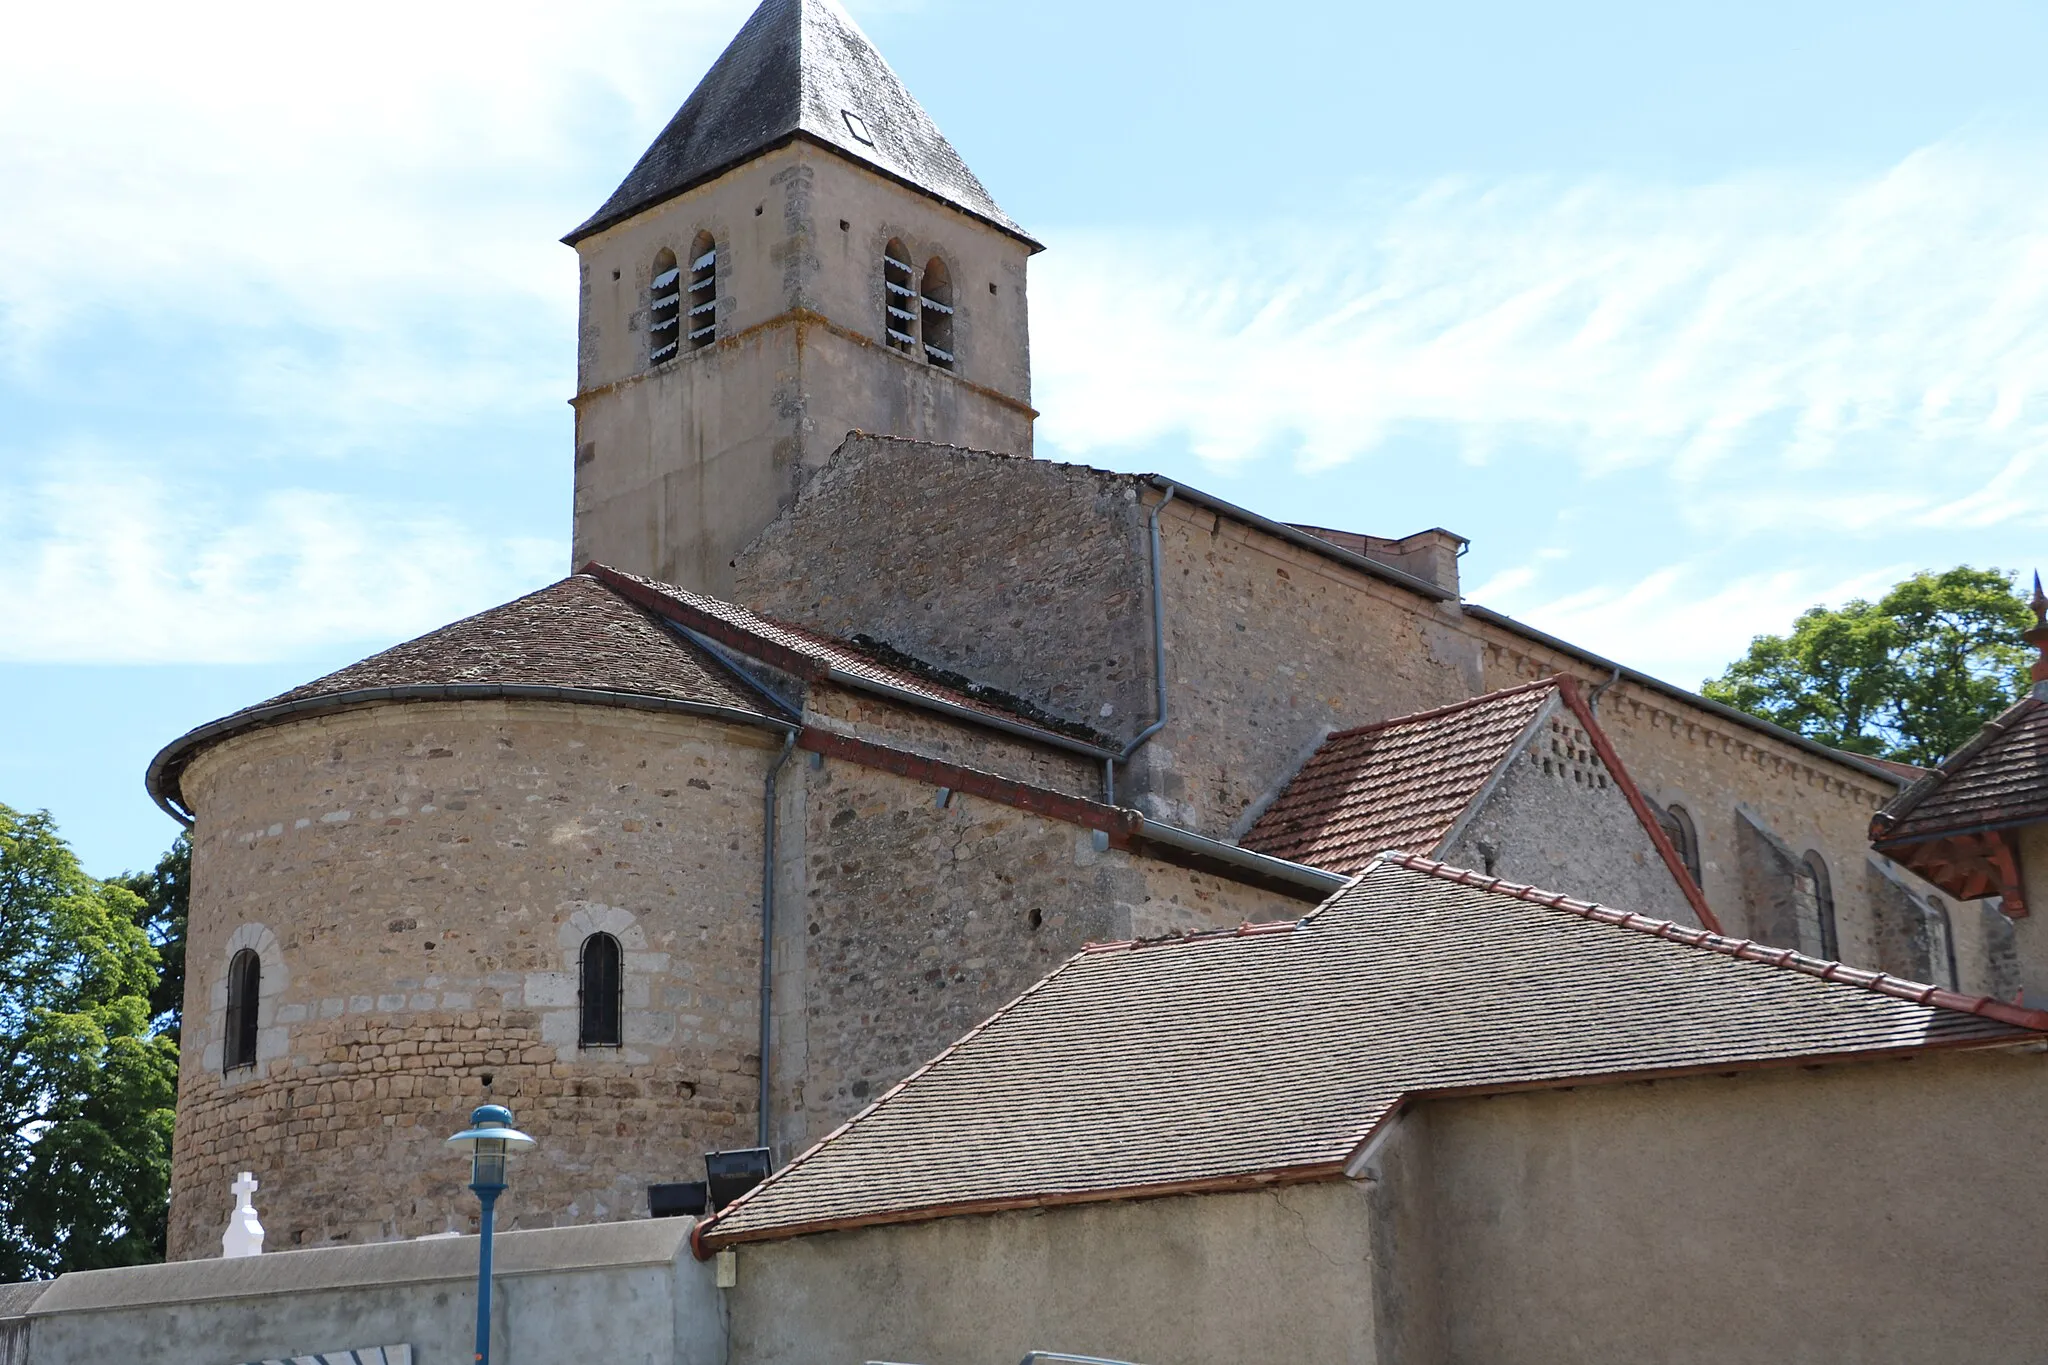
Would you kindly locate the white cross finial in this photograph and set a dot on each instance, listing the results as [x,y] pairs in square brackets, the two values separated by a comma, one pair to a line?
[244,1236]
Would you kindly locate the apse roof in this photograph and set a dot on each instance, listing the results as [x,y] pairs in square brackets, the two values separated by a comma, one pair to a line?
[1278,1052]
[799,68]
[1996,781]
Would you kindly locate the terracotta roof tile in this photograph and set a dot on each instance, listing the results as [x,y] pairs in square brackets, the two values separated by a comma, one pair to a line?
[1276,1052]
[1400,784]
[1998,779]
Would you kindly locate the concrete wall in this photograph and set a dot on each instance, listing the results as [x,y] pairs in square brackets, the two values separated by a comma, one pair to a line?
[1216,1280]
[679,465]
[1557,819]
[629,1293]
[1884,1212]
[419,880]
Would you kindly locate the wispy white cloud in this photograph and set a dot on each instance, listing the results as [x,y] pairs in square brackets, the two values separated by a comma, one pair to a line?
[112,564]
[364,173]
[1763,337]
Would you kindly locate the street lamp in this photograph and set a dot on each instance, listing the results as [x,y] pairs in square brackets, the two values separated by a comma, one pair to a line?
[490,1140]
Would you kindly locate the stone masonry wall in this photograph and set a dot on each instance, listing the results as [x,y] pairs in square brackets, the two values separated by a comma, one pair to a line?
[907,923]
[1034,577]
[1556,818]
[1023,574]
[419,879]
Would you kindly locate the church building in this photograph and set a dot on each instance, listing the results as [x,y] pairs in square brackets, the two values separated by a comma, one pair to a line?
[854,720]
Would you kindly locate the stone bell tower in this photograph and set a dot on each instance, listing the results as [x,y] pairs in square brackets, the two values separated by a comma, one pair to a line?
[801,253]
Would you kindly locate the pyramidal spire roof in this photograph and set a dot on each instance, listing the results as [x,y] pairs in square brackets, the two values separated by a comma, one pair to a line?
[799,69]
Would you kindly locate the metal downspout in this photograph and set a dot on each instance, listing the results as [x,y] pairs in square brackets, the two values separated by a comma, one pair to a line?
[768,926]
[1158,655]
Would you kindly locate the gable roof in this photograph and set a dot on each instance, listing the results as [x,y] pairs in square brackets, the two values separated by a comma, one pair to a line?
[799,68]
[1996,781]
[1398,784]
[1278,1052]
[870,665]
[572,640]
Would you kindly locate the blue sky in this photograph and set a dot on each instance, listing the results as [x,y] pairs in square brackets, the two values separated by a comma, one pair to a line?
[1690,316]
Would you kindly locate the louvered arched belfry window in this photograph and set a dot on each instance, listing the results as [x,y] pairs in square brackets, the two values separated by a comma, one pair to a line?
[599,994]
[899,299]
[664,316]
[935,301]
[702,318]
[245,989]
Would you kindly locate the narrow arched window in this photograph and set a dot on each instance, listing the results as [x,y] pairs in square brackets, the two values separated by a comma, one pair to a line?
[245,988]
[598,995]
[1824,901]
[936,303]
[1685,837]
[899,299]
[665,300]
[703,300]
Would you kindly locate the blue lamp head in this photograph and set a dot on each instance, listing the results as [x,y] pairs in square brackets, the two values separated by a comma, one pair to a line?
[490,1140]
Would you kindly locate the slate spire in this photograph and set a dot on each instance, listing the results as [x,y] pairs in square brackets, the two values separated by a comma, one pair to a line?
[799,69]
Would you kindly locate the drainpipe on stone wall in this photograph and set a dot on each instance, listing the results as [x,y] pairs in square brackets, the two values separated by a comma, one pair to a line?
[1593,700]
[1158,656]
[768,922]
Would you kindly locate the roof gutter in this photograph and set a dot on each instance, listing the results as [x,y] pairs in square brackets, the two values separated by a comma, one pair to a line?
[168,766]
[1325,883]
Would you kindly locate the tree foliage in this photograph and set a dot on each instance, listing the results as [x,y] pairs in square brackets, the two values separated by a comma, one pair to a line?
[1909,677]
[87,1088]
[166,896]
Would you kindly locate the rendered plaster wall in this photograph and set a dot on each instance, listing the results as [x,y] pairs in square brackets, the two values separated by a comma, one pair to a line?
[680,464]
[1221,1279]
[1873,1213]
[628,1293]
[904,924]
[419,880]
[1558,820]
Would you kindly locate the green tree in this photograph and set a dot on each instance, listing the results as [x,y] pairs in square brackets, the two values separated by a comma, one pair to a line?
[87,1089]
[166,895]
[1909,677]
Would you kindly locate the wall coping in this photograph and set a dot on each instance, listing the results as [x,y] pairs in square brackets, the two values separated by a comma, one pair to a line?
[541,1251]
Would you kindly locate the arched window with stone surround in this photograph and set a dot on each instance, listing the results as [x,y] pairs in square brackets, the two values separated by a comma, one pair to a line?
[702,317]
[1824,901]
[245,989]
[935,301]
[664,308]
[599,993]
[1685,837]
[899,299]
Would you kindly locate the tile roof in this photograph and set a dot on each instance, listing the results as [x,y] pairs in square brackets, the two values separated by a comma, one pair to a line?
[1276,1052]
[575,635]
[572,634]
[1400,784]
[811,654]
[799,68]
[1999,779]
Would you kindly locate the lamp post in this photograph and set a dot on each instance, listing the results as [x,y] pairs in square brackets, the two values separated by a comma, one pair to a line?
[490,1140]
